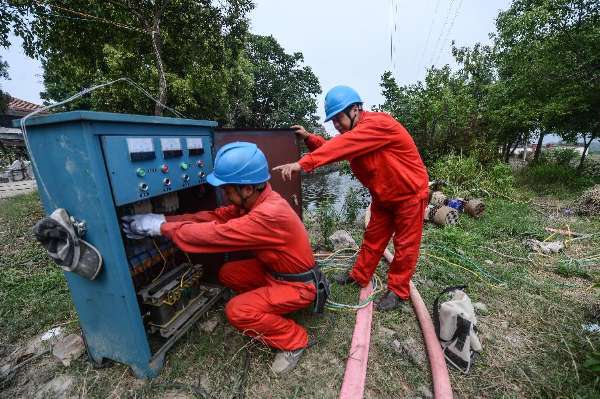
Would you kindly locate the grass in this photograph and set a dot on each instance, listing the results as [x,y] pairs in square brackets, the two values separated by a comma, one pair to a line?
[533,342]
[33,291]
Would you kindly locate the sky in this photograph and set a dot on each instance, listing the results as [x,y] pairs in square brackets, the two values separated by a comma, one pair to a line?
[346,42]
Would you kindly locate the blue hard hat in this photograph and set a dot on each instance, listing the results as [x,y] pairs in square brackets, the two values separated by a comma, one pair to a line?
[338,99]
[239,163]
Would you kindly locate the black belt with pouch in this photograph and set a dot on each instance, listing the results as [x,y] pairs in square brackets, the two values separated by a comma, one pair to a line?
[314,275]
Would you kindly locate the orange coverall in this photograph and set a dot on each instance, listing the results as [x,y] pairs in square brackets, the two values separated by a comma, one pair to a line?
[276,235]
[385,159]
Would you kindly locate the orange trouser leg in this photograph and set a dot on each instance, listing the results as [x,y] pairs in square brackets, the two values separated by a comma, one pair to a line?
[258,310]
[258,313]
[378,234]
[243,275]
[408,221]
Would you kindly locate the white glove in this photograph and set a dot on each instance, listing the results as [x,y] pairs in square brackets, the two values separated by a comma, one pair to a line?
[144,225]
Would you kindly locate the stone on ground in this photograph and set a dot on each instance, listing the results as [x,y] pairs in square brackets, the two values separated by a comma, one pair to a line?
[69,349]
[342,239]
[58,388]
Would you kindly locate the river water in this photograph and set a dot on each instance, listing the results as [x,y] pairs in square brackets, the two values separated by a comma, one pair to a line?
[320,188]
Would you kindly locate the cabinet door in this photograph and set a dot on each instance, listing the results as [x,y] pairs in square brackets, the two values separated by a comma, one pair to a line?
[280,147]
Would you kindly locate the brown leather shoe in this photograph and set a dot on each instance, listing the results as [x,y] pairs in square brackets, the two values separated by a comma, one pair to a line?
[389,301]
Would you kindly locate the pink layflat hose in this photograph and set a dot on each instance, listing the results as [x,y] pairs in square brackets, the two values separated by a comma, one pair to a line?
[355,376]
[437,362]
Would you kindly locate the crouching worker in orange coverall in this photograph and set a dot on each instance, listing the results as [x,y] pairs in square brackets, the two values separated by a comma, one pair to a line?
[281,279]
[385,159]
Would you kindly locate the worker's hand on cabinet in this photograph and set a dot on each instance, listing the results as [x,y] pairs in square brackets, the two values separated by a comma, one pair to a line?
[144,225]
[300,131]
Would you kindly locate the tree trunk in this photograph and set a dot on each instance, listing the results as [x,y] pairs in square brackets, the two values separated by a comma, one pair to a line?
[513,149]
[538,149]
[586,145]
[162,81]
[505,151]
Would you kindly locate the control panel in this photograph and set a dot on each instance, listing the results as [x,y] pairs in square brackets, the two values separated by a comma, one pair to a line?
[140,168]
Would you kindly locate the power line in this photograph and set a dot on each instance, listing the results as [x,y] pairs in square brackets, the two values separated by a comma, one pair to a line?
[419,64]
[439,39]
[458,7]
[92,17]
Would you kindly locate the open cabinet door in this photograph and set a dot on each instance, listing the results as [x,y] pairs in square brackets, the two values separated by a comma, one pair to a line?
[280,147]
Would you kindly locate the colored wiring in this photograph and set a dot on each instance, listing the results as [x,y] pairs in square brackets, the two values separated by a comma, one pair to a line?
[163,258]
[337,262]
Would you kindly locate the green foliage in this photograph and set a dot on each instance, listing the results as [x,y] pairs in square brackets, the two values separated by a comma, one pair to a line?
[3,75]
[592,362]
[467,176]
[196,56]
[283,91]
[559,156]
[547,178]
[33,293]
[539,74]
[591,168]
[327,219]
[571,269]
[354,202]
[555,172]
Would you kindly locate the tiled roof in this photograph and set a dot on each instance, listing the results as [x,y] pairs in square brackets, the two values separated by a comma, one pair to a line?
[16,106]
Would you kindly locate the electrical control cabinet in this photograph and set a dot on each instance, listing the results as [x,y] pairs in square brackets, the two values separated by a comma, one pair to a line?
[100,167]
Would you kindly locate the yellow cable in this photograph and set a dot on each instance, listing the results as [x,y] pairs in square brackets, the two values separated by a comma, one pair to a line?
[464,268]
[163,258]
[550,236]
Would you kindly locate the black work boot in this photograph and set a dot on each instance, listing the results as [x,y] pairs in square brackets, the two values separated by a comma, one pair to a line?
[343,278]
[389,301]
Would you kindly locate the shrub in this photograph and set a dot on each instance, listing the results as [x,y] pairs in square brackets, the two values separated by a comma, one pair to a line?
[559,156]
[355,200]
[547,178]
[467,176]
[327,220]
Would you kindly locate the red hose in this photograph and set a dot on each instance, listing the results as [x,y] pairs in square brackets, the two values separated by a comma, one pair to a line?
[355,376]
[437,362]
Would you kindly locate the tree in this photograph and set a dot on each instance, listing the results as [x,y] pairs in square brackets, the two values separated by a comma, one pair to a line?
[3,75]
[283,91]
[549,55]
[189,53]
[195,55]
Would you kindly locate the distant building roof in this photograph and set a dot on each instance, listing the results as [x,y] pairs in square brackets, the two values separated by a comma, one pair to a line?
[18,107]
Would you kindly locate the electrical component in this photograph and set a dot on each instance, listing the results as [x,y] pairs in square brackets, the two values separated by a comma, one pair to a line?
[173,298]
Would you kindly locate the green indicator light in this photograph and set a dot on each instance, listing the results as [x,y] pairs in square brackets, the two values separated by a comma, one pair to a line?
[140,172]
[184,165]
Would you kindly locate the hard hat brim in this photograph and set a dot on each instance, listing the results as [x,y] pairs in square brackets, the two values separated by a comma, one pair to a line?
[214,181]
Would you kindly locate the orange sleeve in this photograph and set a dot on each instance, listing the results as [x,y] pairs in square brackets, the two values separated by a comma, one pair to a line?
[314,141]
[249,232]
[362,139]
[220,215]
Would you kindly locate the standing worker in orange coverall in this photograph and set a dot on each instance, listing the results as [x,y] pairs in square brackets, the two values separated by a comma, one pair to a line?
[385,159]
[281,279]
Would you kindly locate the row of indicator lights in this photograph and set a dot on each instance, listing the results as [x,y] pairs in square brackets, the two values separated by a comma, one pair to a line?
[141,172]
[167,181]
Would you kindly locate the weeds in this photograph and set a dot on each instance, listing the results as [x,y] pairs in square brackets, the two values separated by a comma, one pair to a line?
[571,269]
[466,176]
[327,219]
